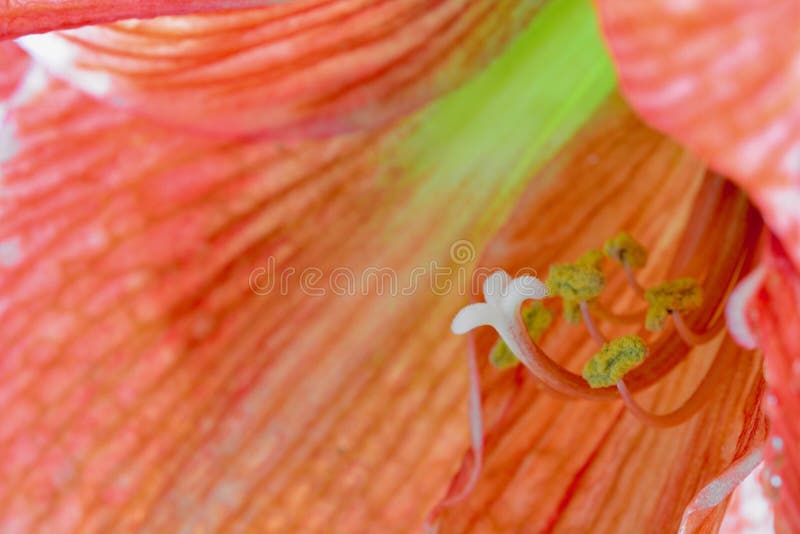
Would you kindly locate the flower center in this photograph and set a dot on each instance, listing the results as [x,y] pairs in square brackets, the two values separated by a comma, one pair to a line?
[627,363]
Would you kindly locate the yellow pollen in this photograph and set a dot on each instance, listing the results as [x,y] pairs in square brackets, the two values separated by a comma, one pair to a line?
[576,281]
[537,319]
[625,249]
[683,294]
[572,311]
[616,358]
[593,258]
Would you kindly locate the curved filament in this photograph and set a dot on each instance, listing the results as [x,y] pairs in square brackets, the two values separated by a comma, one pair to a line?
[694,338]
[591,326]
[629,274]
[690,407]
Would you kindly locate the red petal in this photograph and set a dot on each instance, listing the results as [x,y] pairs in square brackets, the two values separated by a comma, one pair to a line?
[724,78]
[14,62]
[21,17]
[306,68]
[775,312]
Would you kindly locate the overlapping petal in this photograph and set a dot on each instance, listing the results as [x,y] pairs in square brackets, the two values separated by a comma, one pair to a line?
[723,78]
[151,375]
[553,465]
[775,317]
[309,68]
[21,17]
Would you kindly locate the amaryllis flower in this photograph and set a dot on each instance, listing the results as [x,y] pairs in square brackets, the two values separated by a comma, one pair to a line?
[232,244]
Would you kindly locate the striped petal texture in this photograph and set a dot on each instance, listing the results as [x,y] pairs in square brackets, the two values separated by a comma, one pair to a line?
[776,318]
[724,79]
[21,17]
[305,68]
[177,354]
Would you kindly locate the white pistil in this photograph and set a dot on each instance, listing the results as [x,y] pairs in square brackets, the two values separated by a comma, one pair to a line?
[504,297]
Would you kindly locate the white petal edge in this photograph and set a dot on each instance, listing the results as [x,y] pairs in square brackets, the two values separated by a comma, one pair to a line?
[735,308]
[715,492]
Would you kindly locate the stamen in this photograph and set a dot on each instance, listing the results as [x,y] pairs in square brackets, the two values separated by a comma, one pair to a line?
[593,259]
[686,410]
[626,250]
[683,294]
[577,282]
[632,278]
[673,418]
[616,358]
[693,338]
[572,311]
[590,325]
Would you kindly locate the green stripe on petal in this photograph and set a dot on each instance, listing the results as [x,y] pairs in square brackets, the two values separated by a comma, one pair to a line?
[506,123]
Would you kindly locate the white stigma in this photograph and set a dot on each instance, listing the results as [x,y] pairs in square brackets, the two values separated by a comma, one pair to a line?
[504,297]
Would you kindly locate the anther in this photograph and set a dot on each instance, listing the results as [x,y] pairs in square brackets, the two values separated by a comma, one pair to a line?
[626,250]
[616,358]
[630,254]
[577,282]
[681,295]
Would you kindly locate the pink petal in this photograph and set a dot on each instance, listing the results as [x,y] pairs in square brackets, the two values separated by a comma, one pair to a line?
[14,62]
[723,78]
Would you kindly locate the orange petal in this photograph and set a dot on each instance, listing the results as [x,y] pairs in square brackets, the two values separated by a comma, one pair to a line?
[304,68]
[151,376]
[775,314]
[723,78]
[145,382]
[21,17]
[558,466]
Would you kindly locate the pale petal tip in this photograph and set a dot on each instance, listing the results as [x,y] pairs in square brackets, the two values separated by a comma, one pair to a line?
[735,309]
